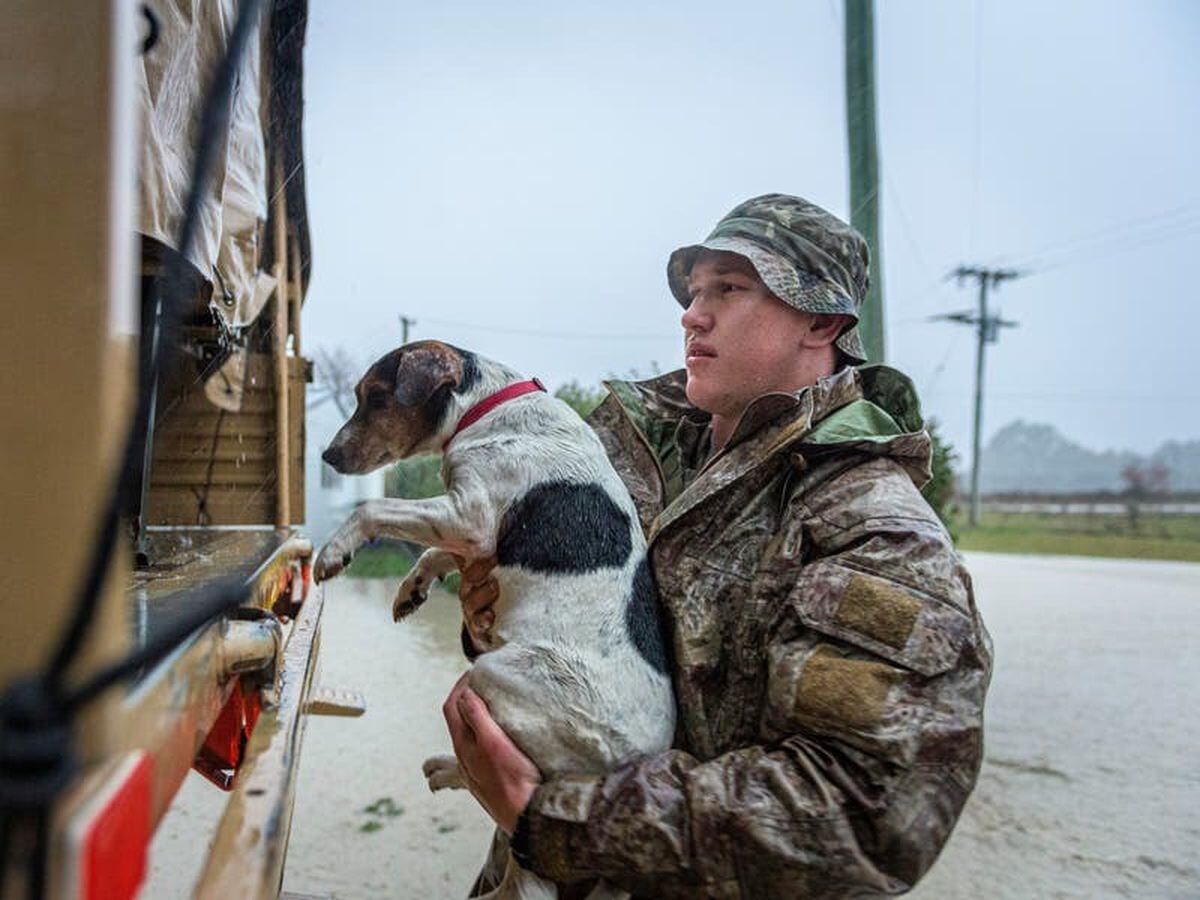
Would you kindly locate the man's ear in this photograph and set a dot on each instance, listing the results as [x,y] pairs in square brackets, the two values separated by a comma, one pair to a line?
[422,370]
[824,329]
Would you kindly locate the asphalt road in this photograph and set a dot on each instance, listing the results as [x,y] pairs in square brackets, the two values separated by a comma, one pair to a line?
[1088,790]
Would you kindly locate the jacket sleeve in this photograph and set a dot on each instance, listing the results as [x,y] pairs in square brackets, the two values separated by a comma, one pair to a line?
[871,732]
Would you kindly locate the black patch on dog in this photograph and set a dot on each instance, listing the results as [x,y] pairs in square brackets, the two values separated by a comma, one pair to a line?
[438,404]
[566,528]
[470,375]
[435,408]
[642,620]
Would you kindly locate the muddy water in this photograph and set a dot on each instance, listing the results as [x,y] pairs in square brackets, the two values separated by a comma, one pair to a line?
[1089,789]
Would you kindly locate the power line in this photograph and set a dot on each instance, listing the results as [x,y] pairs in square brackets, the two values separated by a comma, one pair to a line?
[977,139]
[934,376]
[1164,224]
[559,335]
[1115,246]
[906,225]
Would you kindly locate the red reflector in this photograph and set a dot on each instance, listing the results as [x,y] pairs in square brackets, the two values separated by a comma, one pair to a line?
[221,753]
[113,839]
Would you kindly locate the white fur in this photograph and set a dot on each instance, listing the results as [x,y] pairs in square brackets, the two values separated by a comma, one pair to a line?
[561,676]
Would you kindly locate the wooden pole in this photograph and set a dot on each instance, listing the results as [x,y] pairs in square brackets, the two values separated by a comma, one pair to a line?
[296,295]
[980,344]
[283,517]
[864,162]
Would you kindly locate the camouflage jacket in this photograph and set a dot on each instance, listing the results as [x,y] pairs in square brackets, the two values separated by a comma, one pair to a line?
[830,665]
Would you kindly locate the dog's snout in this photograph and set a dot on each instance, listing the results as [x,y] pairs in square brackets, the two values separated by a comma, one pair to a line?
[333,456]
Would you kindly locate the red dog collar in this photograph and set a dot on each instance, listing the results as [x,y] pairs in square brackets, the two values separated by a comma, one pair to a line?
[487,404]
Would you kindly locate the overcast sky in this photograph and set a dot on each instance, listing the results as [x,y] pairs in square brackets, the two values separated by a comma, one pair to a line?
[513,176]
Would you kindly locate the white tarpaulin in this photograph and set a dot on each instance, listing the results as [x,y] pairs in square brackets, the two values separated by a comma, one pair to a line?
[172,80]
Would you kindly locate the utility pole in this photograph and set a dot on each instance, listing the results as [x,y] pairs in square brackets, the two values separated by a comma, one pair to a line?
[864,162]
[987,330]
[405,322]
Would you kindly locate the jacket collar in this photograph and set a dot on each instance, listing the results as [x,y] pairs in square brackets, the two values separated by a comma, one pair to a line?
[832,413]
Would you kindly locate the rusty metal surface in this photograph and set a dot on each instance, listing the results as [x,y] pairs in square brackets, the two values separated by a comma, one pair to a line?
[248,853]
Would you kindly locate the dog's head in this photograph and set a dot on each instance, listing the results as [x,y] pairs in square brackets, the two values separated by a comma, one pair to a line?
[403,404]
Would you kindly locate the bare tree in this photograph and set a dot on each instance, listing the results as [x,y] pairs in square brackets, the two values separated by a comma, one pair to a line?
[336,374]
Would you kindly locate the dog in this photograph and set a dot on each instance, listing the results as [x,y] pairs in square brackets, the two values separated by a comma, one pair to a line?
[574,668]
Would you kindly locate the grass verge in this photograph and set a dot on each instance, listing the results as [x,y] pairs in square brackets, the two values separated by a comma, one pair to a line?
[390,561]
[1157,537]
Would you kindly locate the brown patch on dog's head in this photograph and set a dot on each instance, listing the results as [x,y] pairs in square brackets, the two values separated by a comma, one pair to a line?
[402,400]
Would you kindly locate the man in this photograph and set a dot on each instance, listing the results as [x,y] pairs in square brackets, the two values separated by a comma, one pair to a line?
[829,663]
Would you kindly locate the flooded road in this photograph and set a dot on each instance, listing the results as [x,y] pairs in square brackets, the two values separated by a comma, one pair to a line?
[1089,788]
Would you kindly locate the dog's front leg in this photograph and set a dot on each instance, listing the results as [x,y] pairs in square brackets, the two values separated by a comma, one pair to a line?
[462,522]
[339,550]
[414,589]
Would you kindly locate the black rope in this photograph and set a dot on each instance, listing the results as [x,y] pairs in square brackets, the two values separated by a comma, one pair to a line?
[220,597]
[203,517]
[153,29]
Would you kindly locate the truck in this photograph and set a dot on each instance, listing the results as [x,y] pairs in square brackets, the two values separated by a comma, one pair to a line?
[158,606]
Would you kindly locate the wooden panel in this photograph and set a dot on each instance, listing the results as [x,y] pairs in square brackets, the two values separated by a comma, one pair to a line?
[298,373]
[213,467]
[178,506]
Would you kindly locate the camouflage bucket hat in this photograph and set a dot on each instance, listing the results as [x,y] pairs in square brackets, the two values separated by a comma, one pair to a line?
[807,257]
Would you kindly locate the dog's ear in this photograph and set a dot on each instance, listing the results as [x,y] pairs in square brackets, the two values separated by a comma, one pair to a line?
[422,370]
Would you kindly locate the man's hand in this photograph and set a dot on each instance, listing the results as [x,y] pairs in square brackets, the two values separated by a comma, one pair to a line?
[477,591]
[501,777]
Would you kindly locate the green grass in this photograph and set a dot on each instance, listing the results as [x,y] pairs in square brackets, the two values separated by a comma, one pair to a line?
[389,562]
[1053,534]
[1157,537]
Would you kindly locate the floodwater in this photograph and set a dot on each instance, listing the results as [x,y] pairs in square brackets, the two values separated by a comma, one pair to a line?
[1089,788]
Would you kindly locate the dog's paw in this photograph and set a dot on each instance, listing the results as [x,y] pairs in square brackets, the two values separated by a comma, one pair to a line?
[331,561]
[411,594]
[443,772]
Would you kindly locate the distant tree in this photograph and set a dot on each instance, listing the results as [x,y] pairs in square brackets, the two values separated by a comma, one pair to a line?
[939,492]
[580,397]
[584,398]
[415,478]
[1141,483]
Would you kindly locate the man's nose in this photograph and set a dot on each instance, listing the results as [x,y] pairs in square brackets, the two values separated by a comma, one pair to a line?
[694,319]
[333,456]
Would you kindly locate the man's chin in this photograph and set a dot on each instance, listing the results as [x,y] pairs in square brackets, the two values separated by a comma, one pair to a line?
[699,394]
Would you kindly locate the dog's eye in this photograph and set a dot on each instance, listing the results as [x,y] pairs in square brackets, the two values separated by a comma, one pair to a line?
[376,399]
